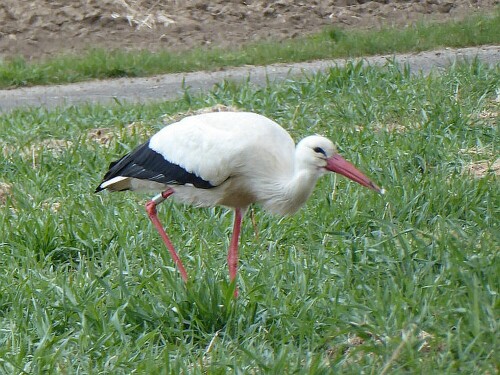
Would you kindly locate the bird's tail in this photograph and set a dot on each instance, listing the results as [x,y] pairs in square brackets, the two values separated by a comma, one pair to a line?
[118,183]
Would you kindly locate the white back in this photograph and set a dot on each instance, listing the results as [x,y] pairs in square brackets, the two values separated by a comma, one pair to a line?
[217,145]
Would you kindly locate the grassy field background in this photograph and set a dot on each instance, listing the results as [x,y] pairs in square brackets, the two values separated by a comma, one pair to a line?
[353,283]
[479,29]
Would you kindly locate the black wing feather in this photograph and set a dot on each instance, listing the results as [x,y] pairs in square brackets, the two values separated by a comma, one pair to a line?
[146,164]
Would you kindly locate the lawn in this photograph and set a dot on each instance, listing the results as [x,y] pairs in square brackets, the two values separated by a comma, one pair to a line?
[354,283]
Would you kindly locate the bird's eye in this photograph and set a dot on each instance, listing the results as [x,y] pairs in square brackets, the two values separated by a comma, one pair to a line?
[319,150]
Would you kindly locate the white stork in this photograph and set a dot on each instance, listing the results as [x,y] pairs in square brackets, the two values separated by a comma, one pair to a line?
[231,159]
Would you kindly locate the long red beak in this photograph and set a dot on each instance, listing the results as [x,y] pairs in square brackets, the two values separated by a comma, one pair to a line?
[341,166]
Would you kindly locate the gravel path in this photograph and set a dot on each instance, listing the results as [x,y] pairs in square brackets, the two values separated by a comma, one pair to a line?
[170,86]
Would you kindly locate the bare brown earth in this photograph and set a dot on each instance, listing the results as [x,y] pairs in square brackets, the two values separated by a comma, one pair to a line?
[43,28]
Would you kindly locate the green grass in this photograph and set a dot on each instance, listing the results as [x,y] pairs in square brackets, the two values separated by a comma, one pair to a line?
[331,43]
[351,284]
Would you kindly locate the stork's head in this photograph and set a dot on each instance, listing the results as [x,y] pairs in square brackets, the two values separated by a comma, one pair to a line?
[320,154]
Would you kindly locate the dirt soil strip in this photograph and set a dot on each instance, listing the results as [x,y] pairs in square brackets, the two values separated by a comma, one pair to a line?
[172,86]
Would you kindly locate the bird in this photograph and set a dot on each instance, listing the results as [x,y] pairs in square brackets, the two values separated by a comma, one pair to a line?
[232,159]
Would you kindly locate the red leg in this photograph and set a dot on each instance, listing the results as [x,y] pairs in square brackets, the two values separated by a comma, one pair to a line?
[232,256]
[151,210]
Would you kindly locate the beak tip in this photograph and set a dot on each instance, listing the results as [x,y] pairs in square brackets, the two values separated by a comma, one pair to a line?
[375,187]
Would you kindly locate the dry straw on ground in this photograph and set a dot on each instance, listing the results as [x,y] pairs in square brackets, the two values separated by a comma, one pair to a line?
[5,192]
[169,119]
[483,168]
[104,136]
[139,16]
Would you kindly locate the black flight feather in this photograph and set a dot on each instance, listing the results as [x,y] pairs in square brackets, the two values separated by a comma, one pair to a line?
[146,164]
